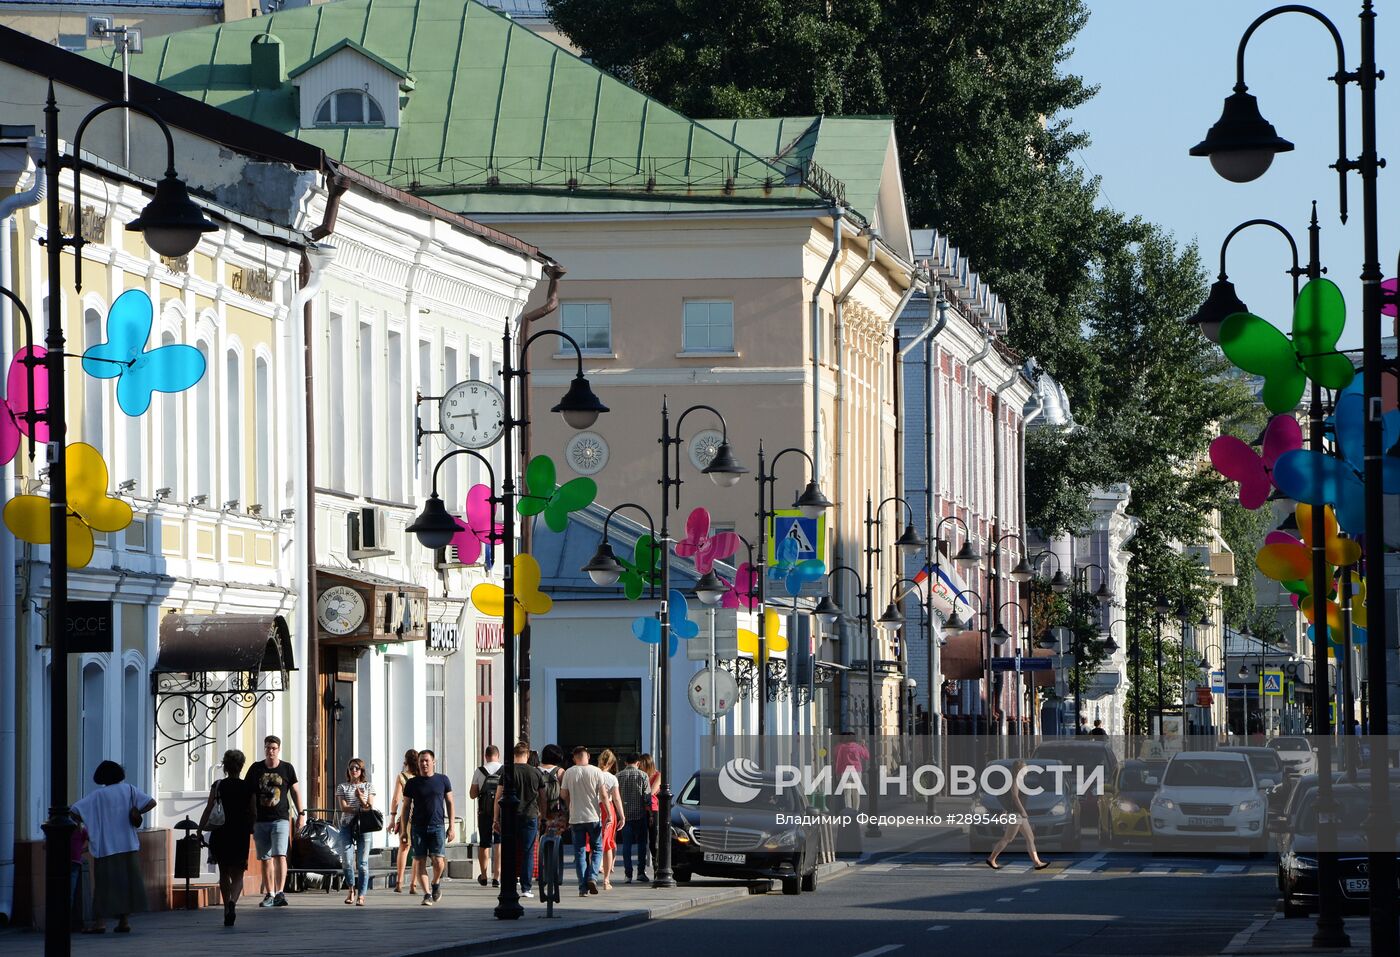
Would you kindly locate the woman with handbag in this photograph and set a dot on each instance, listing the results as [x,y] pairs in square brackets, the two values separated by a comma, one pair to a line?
[398,826]
[228,815]
[112,815]
[358,820]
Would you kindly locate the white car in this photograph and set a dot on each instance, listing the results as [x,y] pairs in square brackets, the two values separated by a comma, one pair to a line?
[1209,796]
[1296,753]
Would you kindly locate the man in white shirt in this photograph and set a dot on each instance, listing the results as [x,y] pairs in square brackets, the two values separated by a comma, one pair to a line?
[486,781]
[582,789]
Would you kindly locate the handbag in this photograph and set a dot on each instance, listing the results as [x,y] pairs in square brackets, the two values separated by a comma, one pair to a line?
[369,820]
[133,815]
[216,814]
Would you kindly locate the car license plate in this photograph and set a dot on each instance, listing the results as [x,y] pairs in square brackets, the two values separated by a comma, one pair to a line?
[1358,885]
[714,858]
[1205,821]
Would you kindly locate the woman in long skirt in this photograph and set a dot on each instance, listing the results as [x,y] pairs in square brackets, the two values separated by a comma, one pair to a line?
[112,814]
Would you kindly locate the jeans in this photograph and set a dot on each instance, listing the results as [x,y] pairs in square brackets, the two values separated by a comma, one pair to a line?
[633,836]
[588,865]
[526,830]
[354,857]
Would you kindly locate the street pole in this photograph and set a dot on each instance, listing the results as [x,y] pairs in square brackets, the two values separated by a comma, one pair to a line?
[872,829]
[665,877]
[508,902]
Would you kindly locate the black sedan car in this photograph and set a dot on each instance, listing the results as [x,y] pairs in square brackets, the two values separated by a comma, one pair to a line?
[750,830]
[1298,847]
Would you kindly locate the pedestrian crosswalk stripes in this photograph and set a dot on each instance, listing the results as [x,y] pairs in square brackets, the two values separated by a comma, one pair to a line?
[1085,867]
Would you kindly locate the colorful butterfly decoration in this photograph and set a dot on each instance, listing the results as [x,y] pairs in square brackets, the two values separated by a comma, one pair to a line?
[555,501]
[89,507]
[1257,347]
[1317,478]
[742,591]
[1238,462]
[18,403]
[791,572]
[700,545]
[643,571]
[648,627]
[773,639]
[1288,561]
[490,599]
[480,529]
[172,368]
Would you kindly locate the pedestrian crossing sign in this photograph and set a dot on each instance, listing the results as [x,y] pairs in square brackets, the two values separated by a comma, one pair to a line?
[1271,683]
[808,533]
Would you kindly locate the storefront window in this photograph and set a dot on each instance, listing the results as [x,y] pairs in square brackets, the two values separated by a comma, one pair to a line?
[437,683]
[600,713]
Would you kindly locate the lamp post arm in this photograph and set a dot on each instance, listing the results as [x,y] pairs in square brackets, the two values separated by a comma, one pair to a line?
[908,511]
[651,525]
[672,436]
[120,105]
[1295,272]
[558,334]
[490,472]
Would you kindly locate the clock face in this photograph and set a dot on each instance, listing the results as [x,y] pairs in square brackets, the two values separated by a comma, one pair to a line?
[340,610]
[473,414]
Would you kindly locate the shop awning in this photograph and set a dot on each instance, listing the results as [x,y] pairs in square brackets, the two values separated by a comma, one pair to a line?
[191,644]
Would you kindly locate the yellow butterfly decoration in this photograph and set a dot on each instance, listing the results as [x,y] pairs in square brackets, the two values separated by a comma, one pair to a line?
[772,639]
[529,600]
[89,507]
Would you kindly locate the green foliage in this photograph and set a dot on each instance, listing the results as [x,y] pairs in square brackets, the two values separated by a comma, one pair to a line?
[1144,697]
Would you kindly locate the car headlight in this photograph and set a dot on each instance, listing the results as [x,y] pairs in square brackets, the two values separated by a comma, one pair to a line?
[1304,863]
[1251,805]
[1165,804]
[1126,806]
[679,835]
[781,839]
[1059,808]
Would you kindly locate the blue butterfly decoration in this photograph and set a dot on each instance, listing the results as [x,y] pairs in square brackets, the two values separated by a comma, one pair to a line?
[1317,479]
[790,571]
[648,628]
[1334,638]
[172,368]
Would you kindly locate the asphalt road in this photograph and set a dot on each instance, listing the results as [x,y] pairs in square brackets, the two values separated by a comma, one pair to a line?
[924,903]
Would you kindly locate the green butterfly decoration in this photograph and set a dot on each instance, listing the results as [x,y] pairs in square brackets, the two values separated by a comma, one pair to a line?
[555,501]
[1257,347]
[643,570]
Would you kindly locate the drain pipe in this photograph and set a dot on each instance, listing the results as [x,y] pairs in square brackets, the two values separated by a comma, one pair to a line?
[997,526]
[1033,410]
[815,330]
[881,398]
[9,647]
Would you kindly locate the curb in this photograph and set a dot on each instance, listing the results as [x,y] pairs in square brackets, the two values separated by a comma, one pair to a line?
[1241,940]
[602,924]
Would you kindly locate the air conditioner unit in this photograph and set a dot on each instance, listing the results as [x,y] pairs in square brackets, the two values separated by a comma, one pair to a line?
[364,538]
[448,557]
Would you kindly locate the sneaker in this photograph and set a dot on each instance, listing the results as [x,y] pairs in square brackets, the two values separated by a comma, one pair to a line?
[643,879]
[427,900]
[592,887]
[495,882]
[528,895]
[266,901]
[583,892]
[280,900]
[437,893]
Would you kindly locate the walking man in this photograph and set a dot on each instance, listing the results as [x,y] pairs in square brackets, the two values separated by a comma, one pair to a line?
[275,788]
[632,787]
[528,785]
[583,790]
[486,783]
[429,798]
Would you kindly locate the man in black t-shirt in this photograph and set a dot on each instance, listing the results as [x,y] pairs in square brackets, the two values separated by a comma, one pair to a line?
[275,788]
[429,798]
[528,784]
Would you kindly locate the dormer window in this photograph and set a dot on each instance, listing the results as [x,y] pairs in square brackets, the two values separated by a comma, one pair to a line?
[349,108]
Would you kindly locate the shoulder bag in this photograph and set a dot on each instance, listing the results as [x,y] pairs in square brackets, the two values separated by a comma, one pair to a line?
[216,814]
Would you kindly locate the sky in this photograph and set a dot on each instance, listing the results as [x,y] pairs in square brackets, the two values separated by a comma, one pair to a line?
[1163,70]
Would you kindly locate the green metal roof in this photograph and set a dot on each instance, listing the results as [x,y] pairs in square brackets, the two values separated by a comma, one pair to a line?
[501,120]
[347,44]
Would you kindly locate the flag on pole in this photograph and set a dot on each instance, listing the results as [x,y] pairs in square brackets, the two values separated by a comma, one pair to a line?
[949,590]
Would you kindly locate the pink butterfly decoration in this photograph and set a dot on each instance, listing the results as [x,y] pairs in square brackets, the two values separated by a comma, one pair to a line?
[741,588]
[704,548]
[17,402]
[1237,461]
[480,527]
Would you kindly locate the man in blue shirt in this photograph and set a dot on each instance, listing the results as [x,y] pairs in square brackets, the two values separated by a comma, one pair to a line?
[429,798]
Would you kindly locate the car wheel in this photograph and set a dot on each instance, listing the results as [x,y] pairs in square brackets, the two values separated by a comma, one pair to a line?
[809,881]
[682,876]
[792,886]
[1292,910]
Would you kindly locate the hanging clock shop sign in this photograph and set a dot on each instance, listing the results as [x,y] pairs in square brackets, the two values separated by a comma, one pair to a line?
[340,610]
[472,414]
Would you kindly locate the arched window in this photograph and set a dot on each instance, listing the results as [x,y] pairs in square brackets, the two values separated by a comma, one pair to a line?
[349,108]
[263,424]
[94,721]
[234,385]
[94,388]
[169,433]
[133,711]
[204,418]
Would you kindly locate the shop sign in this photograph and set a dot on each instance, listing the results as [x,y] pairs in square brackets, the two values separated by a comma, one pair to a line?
[444,638]
[90,225]
[255,283]
[489,636]
[88,627]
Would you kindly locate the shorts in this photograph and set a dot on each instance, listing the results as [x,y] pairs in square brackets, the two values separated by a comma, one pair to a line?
[271,838]
[486,834]
[429,841]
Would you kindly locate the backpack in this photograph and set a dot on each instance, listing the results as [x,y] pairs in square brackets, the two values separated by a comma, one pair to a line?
[489,783]
[554,801]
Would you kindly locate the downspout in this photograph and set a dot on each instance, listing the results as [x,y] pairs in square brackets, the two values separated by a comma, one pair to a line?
[815,331]
[1027,417]
[997,525]
[315,260]
[880,394]
[935,663]
[522,676]
[9,642]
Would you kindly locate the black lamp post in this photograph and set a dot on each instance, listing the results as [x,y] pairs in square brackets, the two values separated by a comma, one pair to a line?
[580,408]
[907,728]
[171,224]
[812,503]
[1241,146]
[968,556]
[725,471]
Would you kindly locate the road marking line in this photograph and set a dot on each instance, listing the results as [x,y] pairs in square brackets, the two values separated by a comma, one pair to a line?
[1004,900]
[1230,868]
[938,927]
[1031,890]
[974,910]
[880,868]
[880,950]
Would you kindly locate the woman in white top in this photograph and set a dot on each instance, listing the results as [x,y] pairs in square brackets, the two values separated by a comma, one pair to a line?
[112,815]
[611,811]
[353,795]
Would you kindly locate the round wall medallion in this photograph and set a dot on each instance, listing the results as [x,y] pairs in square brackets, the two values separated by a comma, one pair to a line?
[704,446]
[587,453]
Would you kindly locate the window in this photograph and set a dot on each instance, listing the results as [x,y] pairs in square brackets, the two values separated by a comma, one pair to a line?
[452,493]
[709,327]
[394,387]
[133,714]
[170,433]
[263,422]
[600,712]
[485,729]
[425,387]
[335,406]
[437,707]
[204,415]
[588,322]
[74,42]
[234,388]
[367,416]
[94,389]
[349,108]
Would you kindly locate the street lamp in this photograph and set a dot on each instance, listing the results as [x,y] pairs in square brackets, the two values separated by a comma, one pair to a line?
[604,568]
[725,471]
[579,408]
[1241,145]
[171,224]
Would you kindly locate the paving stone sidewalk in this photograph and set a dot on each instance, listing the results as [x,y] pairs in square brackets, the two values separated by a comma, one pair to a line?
[1278,937]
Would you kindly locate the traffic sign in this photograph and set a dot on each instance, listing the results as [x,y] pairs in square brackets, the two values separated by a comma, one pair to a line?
[715,690]
[1027,664]
[808,533]
[1271,683]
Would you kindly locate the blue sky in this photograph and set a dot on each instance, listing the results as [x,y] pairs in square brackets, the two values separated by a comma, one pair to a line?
[1163,70]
